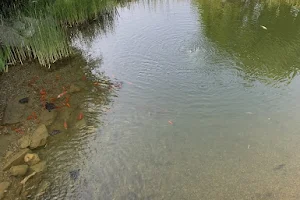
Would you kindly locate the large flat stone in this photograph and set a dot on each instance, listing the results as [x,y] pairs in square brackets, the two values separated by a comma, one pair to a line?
[16,159]
[41,166]
[19,170]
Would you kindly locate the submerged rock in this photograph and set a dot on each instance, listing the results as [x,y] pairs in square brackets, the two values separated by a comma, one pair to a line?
[48,118]
[24,142]
[41,166]
[32,158]
[3,188]
[19,170]
[16,159]
[39,137]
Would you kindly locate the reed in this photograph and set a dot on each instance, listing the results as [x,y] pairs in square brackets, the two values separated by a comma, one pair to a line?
[47,23]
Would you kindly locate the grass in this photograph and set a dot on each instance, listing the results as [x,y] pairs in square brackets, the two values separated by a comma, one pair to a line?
[42,27]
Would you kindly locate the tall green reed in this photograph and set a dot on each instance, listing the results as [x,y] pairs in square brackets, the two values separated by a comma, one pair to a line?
[45,36]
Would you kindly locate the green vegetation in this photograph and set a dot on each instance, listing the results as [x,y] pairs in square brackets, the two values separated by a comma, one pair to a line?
[40,29]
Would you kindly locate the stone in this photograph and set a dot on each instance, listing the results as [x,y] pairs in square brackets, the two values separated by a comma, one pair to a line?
[14,112]
[19,170]
[24,142]
[41,166]
[74,88]
[32,158]
[3,188]
[80,124]
[16,159]
[47,117]
[39,137]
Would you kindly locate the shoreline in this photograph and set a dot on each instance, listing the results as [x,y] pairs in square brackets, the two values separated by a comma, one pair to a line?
[28,127]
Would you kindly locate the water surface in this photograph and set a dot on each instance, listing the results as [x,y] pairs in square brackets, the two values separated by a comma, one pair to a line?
[209,107]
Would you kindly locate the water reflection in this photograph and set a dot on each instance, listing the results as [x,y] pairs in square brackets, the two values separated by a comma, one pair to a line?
[238,27]
[226,138]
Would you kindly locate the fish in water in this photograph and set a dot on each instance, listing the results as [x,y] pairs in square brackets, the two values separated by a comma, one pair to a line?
[80,116]
[265,28]
[50,106]
[74,174]
[24,100]
[170,122]
[54,132]
[65,125]
[62,94]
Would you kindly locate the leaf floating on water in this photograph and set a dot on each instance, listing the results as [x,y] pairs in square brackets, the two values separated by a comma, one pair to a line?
[265,28]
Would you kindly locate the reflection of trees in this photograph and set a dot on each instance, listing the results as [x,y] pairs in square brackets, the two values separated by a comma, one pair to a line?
[236,27]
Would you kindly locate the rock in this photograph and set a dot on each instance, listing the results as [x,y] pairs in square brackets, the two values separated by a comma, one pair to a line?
[80,124]
[14,112]
[24,142]
[3,188]
[41,166]
[16,159]
[39,137]
[32,158]
[47,117]
[19,170]
[74,88]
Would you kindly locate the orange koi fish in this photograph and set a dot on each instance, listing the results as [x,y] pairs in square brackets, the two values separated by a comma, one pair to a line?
[65,125]
[80,116]
[170,122]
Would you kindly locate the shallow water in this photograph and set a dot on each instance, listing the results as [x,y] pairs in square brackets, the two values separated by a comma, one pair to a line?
[208,108]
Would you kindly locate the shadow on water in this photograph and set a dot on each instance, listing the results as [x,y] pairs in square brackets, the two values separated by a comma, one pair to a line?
[262,37]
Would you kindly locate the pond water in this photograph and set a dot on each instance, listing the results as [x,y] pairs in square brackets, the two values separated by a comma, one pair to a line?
[209,106]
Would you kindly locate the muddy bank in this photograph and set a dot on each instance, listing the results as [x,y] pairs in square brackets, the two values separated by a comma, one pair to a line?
[36,105]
